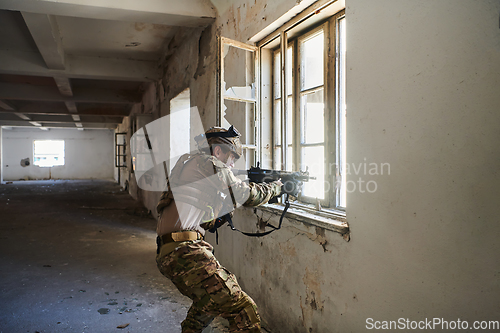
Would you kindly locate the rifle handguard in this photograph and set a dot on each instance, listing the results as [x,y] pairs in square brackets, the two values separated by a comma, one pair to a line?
[291,187]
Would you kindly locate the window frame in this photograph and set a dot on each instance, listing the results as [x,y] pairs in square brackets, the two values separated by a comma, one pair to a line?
[299,112]
[329,206]
[317,14]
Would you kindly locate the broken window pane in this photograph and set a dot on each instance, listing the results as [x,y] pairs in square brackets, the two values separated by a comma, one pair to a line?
[239,73]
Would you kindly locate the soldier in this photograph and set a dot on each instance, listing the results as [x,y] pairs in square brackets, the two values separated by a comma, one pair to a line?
[201,188]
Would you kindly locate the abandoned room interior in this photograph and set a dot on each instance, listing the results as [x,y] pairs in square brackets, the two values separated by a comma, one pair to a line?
[393,106]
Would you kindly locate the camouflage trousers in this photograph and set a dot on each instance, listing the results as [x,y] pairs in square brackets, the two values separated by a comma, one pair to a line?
[197,274]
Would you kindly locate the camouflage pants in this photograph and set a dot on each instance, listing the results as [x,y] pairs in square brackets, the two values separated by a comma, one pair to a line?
[197,274]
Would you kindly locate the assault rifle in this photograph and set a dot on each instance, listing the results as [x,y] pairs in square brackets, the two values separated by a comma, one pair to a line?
[292,183]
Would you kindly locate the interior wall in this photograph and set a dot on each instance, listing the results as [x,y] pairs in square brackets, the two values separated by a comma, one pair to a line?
[188,63]
[422,95]
[89,154]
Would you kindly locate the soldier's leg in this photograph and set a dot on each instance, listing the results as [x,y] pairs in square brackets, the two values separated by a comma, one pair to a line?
[232,303]
[247,319]
[188,267]
[214,290]
[196,320]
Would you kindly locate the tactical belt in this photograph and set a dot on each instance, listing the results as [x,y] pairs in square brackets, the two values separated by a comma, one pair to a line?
[168,242]
[180,236]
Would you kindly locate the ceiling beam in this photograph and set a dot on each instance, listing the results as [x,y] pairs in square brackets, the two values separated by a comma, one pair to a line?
[63,85]
[187,13]
[79,67]
[44,119]
[84,119]
[45,33]
[20,123]
[6,106]
[56,109]
[51,94]
[22,116]
[71,106]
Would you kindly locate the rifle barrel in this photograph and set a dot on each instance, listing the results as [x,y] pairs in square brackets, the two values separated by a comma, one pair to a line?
[270,173]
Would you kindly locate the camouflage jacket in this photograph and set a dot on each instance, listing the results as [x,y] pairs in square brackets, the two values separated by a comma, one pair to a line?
[204,181]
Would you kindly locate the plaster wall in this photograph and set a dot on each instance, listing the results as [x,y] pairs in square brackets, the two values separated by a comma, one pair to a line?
[89,154]
[422,95]
[242,19]
[189,62]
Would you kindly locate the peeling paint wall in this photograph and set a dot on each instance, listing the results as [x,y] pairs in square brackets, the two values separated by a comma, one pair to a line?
[242,19]
[293,274]
[188,62]
[89,154]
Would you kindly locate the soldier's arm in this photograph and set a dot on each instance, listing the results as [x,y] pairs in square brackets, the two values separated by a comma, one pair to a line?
[248,194]
[261,193]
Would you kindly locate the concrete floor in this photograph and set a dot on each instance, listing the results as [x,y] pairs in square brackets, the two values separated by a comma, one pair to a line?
[78,256]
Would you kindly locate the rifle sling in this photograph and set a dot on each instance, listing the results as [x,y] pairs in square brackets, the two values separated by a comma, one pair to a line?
[260,234]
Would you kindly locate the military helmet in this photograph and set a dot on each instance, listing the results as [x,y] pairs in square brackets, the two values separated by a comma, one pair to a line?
[229,137]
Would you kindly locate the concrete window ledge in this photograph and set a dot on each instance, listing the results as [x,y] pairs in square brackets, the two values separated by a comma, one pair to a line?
[327,219]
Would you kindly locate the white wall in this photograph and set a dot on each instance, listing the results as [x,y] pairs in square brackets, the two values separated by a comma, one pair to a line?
[423,95]
[89,154]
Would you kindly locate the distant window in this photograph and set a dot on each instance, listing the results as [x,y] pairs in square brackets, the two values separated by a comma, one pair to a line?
[180,120]
[48,153]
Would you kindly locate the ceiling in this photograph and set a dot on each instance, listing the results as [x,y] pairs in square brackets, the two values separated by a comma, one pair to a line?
[83,63]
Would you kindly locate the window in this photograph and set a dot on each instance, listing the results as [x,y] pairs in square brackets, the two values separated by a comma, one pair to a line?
[48,153]
[238,95]
[303,105]
[286,94]
[120,150]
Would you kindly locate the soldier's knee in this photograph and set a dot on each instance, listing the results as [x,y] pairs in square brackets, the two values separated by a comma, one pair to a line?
[196,320]
[247,320]
[191,326]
